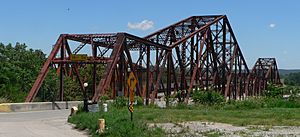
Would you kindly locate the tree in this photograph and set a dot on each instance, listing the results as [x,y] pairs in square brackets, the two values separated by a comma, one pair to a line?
[292,79]
[18,69]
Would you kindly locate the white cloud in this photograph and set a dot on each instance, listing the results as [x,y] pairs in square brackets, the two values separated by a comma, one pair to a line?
[144,25]
[272,25]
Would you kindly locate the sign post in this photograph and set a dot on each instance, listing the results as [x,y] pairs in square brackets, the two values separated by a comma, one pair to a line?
[131,84]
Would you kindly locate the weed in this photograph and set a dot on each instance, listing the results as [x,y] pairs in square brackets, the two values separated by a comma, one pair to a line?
[209,97]
[120,102]
[139,101]
[104,98]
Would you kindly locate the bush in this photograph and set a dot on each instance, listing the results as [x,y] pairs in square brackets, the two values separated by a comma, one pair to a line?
[263,102]
[274,91]
[292,79]
[251,103]
[281,103]
[120,101]
[80,108]
[104,98]
[294,97]
[139,101]
[207,97]
[274,96]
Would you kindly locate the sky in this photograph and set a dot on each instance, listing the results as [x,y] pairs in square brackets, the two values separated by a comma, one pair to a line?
[264,28]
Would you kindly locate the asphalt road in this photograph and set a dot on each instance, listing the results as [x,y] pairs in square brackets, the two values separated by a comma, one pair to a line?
[51,123]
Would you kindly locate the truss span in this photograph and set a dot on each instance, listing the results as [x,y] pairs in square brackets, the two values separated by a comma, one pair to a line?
[199,52]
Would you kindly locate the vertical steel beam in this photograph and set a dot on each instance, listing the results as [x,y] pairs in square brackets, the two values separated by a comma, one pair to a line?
[139,67]
[224,56]
[94,73]
[148,75]
[61,75]
[192,27]
[121,77]
[169,57]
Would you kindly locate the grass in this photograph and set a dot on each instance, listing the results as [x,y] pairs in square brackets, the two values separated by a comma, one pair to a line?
[118,119]
[118,123]
[270,110]
[263,116]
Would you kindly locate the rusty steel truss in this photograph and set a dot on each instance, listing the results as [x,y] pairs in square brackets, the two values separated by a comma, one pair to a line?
[199,52]
[263,72]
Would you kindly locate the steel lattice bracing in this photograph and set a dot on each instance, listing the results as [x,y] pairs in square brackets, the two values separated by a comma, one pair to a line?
[114,51]
[206,53]
[264,71]
[199,52]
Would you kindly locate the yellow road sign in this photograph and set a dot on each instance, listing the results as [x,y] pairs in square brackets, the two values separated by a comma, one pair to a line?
[131,95]
[78,57]
[131,81]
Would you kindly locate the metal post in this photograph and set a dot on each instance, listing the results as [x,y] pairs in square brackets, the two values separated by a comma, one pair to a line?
[224,57]
[94,50]
[61,82]
[168,78]
[131,116]
[207,67]
[121,77]
[148,75]
[85,99]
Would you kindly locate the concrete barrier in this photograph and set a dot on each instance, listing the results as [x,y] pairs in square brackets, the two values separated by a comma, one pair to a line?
[5,107]
[35,106]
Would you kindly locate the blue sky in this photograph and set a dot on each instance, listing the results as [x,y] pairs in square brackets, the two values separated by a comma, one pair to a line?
[264,28]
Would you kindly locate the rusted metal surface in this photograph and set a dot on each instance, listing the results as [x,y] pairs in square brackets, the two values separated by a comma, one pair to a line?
[263,72]
[199,52]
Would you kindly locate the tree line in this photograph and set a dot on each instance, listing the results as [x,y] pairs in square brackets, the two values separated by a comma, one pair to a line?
[19,68]
[292,79]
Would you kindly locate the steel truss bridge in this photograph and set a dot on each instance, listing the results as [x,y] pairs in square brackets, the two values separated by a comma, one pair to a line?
[199,52]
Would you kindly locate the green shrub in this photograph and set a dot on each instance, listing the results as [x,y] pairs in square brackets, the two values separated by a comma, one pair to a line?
[208,97]
[139,101]
[263,102]
[274,91]
[294,97]
[104,98]
[281,103]
[80,108]
[274,97]
[250,103]
[120,101]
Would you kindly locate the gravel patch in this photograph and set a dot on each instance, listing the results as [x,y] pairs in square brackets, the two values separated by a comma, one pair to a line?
[199,129]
